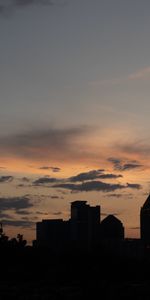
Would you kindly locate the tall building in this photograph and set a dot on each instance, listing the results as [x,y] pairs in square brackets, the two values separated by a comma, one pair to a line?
[145,221]
[84,224]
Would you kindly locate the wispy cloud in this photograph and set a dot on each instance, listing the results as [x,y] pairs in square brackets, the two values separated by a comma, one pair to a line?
[18,223]
[4,179]
[51,143]
[93,174]
[140,74]
[114,195]
[53,169]
[96,186]
[10,5]
[137,147]
[122,166]
[44,180]
[15,203]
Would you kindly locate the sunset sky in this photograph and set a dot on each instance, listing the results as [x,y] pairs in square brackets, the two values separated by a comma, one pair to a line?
[74,113]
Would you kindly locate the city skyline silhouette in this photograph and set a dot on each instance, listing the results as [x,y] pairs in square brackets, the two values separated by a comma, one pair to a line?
[74,149]
[74,95]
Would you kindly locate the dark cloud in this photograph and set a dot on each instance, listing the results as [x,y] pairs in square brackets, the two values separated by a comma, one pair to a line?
[44,180]
[116,195]
[23,212]
[91,175]
[114,160]
[18,223]
[5,216]
[29,2]
[128,166]
[54,169]
[10,5]
[15,203]
[137,147]
[57,213]
[120,166]
[87,176]
[6,179]
[109,176]
[41,213]
[25,179]
[134,186]
[95,186]
[47,143]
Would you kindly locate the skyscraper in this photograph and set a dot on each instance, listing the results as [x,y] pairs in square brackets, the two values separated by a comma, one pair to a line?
[85,222]
[145,221]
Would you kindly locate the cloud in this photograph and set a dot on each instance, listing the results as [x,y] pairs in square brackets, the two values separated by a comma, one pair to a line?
[18,223]
[57,213]
[129,166]
[114,160]
[23,212]
[120,166]
[4,215]
[10,5]
[54,169]
[46,144]
[91,175]
[134,186]
[115,195]
[82,177]
[25,179]
[140,74]
[4,179]
[44,180]
[136,147]
[41,213]
[95,186]
[15,203]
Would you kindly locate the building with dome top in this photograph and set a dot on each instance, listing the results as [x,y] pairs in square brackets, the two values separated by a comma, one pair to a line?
[112,228]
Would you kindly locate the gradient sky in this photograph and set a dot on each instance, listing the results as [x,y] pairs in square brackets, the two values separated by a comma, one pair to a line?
[74,95]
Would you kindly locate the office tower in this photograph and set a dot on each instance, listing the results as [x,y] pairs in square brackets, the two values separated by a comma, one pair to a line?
[145,221]
[84,224]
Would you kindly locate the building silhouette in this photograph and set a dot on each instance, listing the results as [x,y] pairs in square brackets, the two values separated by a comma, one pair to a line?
[111,228]
[145,222]
[82,231]
[52,233]
[84,224]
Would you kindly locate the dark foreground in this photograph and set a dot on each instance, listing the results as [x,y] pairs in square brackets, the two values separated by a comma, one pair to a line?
[38,274]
